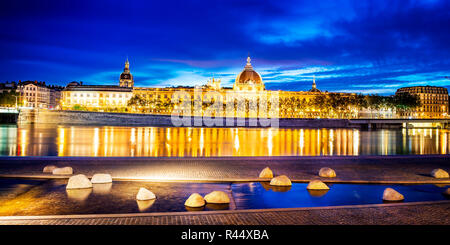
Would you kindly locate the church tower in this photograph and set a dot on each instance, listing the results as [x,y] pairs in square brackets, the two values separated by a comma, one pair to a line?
[314,88]
[126,79]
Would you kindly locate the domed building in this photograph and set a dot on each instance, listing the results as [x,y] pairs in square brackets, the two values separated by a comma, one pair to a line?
[248,79]
[248,86]
[126,79]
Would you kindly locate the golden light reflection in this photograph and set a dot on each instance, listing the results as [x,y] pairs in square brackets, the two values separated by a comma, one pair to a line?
[23,142]
[444,147]
[144,205]
[205,142]
[302,141]
[79,195]
[154,141]
[356,141]
[61,140]
[96,142]
[105,135]
[270,142]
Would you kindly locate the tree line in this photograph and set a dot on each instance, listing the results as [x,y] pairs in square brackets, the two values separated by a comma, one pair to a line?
[339,105]
[327,105]
[8,98]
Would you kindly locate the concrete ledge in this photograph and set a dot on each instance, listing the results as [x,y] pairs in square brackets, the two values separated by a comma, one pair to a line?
[225,180]
[195,213]
[350,169]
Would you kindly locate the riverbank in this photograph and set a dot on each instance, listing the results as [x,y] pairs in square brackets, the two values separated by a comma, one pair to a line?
[8,117]
[88,118]
[349,169]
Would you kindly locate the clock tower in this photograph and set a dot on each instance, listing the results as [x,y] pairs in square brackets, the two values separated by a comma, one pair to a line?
[126,79]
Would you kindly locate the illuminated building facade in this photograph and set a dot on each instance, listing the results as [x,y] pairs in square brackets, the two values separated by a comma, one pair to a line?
[93,96]
[248,85]
[99,97]
[34,94]
[433,100]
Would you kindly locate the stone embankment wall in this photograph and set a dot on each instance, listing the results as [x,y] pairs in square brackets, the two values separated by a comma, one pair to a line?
[8,117]
[128,119]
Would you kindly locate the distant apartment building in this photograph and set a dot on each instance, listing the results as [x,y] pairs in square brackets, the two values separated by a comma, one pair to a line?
[55,96]
[38,95]
[434,101]
[34,94]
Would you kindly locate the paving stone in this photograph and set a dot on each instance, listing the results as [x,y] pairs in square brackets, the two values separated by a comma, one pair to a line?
[417,214]
[350,168]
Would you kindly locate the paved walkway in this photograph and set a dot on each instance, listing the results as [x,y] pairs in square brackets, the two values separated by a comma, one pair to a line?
[365,169]
[426,213]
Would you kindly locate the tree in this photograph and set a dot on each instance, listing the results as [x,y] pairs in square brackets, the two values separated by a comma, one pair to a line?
[406,101]
[138,101]
[9,98]
[78,107]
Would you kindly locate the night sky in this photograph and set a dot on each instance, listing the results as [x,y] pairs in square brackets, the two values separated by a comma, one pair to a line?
[350,46]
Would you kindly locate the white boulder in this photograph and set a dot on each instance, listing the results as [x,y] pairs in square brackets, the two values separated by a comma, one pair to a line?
[195,201]
[101,179]
[144,194]
[49,168]
[63,171]
[217,197]
[317,185]
[439,173]
[281,180]
[79,181]
[327,172]
[266,173]
[390,194]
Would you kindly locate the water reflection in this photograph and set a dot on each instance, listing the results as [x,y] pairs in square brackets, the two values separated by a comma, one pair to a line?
[103,188]
[144,205]
[38,140]
[216,206]
[267,187]
[317,193]
[79,195]
[255,195]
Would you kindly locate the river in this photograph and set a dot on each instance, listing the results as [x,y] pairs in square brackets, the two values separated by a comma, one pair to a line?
[46,140]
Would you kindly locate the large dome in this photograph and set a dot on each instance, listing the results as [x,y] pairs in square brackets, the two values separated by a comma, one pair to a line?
[248,77]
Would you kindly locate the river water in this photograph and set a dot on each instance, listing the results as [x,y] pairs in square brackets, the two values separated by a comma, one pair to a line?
[45,140]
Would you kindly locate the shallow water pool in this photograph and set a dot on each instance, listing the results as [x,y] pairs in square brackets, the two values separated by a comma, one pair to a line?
[49,197]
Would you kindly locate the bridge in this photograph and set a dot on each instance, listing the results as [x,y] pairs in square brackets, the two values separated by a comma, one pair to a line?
[400,123]
[8,115]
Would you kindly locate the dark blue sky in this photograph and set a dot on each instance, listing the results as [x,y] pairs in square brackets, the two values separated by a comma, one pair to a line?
[351,46]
